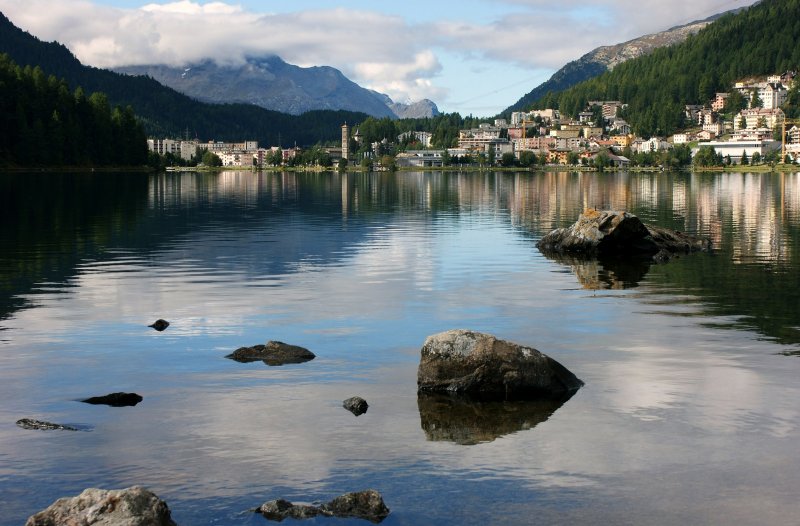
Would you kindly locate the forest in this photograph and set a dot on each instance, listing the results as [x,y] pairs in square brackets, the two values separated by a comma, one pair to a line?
[44,123]
[758,41]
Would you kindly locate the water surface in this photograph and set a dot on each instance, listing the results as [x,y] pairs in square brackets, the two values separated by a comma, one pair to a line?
[688,416]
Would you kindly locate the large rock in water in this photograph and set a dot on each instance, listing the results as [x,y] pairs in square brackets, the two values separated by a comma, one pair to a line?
[612,233]
[134,506]
[480,365]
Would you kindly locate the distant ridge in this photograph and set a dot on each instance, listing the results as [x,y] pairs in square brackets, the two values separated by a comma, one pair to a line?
[273,84]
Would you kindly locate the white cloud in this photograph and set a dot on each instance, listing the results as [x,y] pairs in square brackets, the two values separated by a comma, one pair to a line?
[385,53]
[381,51]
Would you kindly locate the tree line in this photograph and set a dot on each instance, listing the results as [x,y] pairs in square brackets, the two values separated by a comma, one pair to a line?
[44,123]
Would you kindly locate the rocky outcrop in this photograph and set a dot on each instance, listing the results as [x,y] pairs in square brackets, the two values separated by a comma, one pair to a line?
[480,365]
[159,325]
[459,419]
[29,423]
[273,353]
[612,233]
[366,504]
[134,506]
[356,405]
[115,400]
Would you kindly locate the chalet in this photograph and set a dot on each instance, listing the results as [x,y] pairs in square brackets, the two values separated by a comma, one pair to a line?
[704,136]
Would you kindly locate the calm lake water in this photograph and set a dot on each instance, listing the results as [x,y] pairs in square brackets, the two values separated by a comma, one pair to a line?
[689,414]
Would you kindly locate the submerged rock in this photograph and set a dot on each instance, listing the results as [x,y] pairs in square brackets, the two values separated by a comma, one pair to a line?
[159,325]
[356,405]
[366,505]
[465,421]
[618,233]
[280,509]
[273,353]
[135,506]
[480,365]
[115,400]
[29,423]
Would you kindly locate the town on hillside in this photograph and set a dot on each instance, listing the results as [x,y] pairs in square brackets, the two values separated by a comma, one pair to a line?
[743,126]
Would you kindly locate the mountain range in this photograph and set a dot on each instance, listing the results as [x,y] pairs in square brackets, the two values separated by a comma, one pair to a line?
[605,58]
[271,83]
[168,113]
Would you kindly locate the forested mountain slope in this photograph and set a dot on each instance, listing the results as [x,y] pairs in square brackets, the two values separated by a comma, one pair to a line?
[761,40]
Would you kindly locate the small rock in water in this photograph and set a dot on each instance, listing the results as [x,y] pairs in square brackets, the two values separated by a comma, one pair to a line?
[115,400]
[366,505]
[159,325]
[356,405]
[273,353]
[29,423]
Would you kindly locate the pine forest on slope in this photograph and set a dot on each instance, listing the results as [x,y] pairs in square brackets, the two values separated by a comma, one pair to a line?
[760,40]
[605,58]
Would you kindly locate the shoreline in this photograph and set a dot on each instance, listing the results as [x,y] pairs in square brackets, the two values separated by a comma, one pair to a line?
[760,168]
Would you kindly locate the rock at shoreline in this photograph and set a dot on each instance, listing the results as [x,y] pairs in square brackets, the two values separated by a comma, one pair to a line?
[159,325]
[115,400]
[366,505]
[617,233]
[273,353]
[356,405]
[29,423]
[134,506]
[480,365]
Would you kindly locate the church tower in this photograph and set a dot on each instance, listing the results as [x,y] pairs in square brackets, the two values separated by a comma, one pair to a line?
[345,142]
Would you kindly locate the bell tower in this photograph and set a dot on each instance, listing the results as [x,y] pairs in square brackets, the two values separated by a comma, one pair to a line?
[345,142]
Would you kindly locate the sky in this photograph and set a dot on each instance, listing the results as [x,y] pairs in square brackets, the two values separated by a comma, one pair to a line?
[472,56]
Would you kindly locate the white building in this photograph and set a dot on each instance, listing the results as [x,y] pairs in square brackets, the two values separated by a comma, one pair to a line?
[651,145]
[420,158]
[682,138]
[734,149]
[773,95]
[422,136]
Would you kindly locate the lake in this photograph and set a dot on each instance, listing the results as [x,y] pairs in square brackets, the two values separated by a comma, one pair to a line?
[689,412]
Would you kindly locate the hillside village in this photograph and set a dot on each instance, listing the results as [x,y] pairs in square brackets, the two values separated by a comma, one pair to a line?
[742,126]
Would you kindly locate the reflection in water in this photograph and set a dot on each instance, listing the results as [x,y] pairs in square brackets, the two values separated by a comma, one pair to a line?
[468,421]
[56,225]
[604,273]
[361,268]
